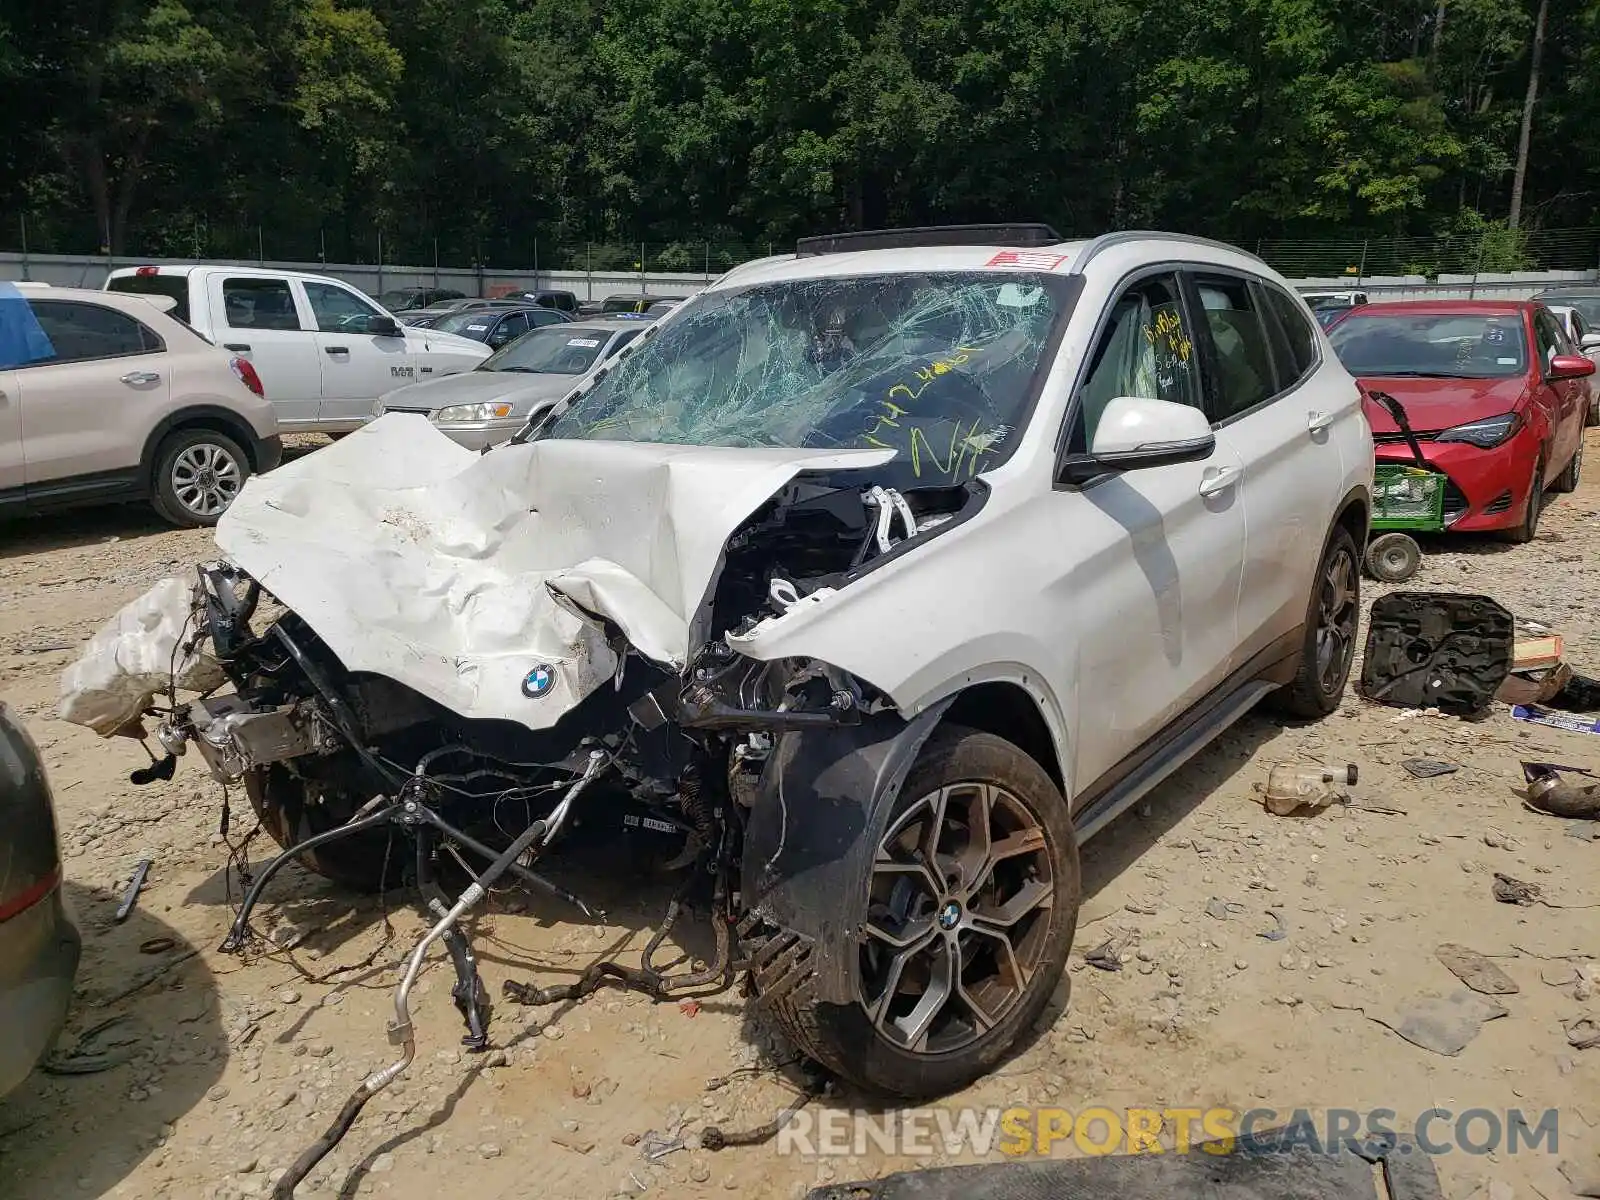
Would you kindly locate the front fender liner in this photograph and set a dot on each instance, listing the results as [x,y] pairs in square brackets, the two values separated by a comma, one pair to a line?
[822,803]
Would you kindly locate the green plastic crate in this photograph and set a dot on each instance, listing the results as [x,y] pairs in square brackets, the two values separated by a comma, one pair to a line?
[1405,497]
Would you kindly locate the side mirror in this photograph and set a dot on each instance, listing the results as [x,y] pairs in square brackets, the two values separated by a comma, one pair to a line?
[1135,433]
[1570,366]
[383,327]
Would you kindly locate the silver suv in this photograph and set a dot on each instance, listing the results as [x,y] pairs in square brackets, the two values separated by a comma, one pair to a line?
[107,397]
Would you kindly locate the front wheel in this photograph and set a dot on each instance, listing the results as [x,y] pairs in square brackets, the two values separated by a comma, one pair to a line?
[964,928]
[292,808]
[1330,632]
[1528,529]
[1567,481]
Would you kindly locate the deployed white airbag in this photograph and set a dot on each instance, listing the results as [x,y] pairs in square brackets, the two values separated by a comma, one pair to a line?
[136,656]
[468,577]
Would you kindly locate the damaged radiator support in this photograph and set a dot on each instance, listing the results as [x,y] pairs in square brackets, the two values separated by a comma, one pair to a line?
[401,1031]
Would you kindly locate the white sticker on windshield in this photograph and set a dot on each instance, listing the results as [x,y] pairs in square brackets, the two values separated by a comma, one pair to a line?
[1506,362]
[477,328]
[586,343]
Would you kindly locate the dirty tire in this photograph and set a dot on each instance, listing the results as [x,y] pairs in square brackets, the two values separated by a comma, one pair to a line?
[977,769]
[1567,481]
[1330,633]
[1528,529]
[278,799]
[196,475]
[1393,557]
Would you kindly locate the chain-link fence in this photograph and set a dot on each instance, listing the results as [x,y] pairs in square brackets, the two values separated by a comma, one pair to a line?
[1487,250]
[500,252]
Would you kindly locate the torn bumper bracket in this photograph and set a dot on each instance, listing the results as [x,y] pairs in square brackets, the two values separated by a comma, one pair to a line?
[823,801]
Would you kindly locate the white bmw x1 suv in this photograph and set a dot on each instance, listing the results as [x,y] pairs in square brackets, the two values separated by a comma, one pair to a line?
[874,579]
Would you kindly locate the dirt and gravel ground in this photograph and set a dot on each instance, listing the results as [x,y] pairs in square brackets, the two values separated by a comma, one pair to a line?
[236,1065]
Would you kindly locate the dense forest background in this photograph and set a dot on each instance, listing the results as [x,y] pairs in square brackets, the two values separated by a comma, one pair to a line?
[500,128]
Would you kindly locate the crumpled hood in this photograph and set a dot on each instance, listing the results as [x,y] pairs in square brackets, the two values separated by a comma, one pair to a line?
[462,575]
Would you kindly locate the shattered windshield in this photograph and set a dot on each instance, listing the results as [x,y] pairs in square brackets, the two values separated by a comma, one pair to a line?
[937,367]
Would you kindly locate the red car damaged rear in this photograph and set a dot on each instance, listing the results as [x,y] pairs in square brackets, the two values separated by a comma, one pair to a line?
[1497,396]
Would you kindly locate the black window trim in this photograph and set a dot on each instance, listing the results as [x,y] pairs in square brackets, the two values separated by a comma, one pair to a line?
[1209,374]
[146,334]
[1063,453]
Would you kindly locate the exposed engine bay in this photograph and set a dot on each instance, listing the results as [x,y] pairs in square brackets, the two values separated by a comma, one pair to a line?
[487,663]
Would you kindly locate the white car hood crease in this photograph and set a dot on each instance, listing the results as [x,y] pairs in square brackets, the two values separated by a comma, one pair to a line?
[458,574]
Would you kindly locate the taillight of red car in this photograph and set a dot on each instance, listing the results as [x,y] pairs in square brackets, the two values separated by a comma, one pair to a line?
[247,375]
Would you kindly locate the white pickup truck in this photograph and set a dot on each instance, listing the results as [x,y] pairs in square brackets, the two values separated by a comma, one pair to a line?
[324,351]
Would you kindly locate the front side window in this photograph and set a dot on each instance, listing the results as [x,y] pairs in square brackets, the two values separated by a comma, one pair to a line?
[1443,346]
[1242,362]
[78,331]
[249,303]
[338,310]
[1145,350]
[938,368]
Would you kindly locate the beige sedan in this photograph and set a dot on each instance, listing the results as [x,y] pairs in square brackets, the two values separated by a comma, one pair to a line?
[107,397]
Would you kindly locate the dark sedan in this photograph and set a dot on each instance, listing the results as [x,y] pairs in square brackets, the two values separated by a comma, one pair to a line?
[39,944]
[498,326]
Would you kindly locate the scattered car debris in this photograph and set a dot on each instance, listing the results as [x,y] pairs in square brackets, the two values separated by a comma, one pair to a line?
[1583,1033]
[1580,693]
[1474,970]
[1292,788]
[1536,715]
[158,945]
[1107,956]
[1548,792]
[1514,891]
[1445,1024]
[1223,909]
[1429,768]
[1436,650]
[94,1051]
[132,893]
[1279,930]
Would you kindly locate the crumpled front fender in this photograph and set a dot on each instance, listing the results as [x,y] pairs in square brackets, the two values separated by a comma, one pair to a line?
[822,803]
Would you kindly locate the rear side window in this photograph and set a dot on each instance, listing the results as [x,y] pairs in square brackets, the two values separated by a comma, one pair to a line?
[1242,373]
[175,286]
[626,336]
[259,304]
[1294,343]
[80,332]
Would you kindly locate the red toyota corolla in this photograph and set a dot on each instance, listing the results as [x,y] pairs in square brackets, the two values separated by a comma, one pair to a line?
[1497,396]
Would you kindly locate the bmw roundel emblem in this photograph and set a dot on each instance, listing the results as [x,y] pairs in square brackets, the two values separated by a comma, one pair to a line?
[538,682]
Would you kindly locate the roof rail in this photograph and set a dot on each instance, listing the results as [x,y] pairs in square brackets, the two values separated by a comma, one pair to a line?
[1107,240]
[928,235]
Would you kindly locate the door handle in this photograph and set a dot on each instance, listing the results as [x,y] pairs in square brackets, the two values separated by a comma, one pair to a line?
[336,349]
[1318,421]
[141,378]
[1220,480]
[241,347]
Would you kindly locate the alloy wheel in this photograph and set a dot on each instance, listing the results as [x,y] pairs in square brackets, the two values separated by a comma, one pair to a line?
[958,917]
[205,479]
[1338,598]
